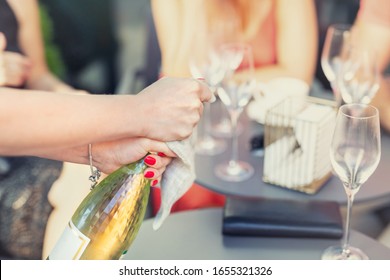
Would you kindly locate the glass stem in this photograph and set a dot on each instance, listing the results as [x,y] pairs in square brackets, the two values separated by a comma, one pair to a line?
[351,196]
[337,94]
[234,120]
[223,117]
[207,120]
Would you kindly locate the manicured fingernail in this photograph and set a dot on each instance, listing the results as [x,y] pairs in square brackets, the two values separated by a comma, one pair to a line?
[149,174]
[200,79]
[150,160]
[154,183]
[161,154]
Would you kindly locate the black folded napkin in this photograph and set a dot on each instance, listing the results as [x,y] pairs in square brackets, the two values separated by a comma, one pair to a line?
[282,218]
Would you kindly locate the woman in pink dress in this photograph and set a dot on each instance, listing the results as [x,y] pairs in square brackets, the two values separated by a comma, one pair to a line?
[282,33]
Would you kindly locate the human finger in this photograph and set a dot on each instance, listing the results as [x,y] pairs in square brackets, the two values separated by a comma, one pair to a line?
[17,68]
[13,58]
[158,147]
[156,161]
[153,173]
[205,93]
[156,182]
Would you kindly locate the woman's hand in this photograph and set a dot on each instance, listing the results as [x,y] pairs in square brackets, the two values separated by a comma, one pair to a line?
[109,156]
[15,68]
[171,107]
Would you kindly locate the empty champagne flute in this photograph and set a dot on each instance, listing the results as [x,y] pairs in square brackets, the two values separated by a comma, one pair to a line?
[223,29]
[355,153]
[359,76]
[236,92]
[232,60]
[209,66]
[337,39]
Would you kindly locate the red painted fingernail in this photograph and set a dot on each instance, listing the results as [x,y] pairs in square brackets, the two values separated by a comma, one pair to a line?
[149,174]
[161,154]
[154,183]
[150,160]
[200,79]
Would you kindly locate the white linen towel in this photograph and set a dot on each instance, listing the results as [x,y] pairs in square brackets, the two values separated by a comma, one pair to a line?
[177,179]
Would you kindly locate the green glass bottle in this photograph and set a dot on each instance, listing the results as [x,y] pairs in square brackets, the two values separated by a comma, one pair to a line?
[108,219]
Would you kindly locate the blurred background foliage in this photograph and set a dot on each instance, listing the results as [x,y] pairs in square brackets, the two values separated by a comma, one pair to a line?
[54,58]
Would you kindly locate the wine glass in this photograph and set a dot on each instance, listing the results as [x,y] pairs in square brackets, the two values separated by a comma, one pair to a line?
[355,153]
[336,40]
[359,76]
[224,28]
[236,92]
[208,65]
[232,60]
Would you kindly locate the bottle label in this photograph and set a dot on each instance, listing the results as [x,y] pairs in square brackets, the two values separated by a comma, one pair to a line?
[71,244]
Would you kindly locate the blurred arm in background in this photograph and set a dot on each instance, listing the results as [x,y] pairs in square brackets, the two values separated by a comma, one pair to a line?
[29,67]
[372,28]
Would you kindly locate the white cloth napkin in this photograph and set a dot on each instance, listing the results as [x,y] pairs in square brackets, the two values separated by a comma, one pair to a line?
[177,179]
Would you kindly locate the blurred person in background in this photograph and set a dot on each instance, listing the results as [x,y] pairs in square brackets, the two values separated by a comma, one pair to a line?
[372,33]
[23,65]
[282,33]
[24,62]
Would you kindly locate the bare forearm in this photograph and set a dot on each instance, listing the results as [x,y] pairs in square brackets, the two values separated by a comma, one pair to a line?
[36,121]
[62,120]
[382,102]
[75,154]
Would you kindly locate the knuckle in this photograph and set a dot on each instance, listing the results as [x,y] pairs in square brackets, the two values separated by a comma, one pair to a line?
[145,142]
[196,86]
[184,133]
[194,118]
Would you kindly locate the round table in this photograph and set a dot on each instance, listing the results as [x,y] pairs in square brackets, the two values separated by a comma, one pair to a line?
[376,190]
[198,235]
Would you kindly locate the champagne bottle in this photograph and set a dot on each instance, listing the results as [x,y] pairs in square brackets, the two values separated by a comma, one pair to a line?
[108,219]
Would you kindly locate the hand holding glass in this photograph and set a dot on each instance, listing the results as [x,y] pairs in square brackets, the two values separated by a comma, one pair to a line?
[355,153]
[359,76]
